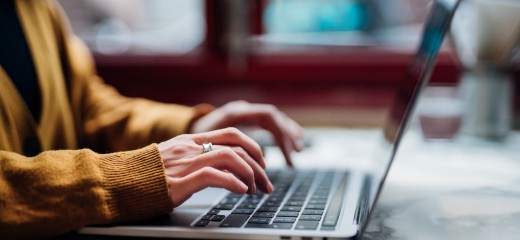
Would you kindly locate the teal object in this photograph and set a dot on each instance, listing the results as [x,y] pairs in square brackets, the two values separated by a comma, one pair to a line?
[286,16]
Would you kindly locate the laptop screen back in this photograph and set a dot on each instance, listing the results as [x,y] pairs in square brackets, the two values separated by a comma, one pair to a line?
[417,77]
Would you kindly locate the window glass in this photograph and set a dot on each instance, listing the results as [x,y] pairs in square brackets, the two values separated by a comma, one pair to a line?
[344,22]
[138,26]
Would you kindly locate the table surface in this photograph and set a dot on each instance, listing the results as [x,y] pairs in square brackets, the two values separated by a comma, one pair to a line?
[466,188]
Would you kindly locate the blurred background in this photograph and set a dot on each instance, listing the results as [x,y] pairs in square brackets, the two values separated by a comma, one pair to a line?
[324,62]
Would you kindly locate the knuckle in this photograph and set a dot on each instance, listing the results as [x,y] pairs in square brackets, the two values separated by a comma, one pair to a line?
[178,150]
[232,131]
[240,151]
[227,153]
[250,173]
[182,149]
[238,103]
[229,179]
[175,182]
[207,173]
[271,108]
[241,102]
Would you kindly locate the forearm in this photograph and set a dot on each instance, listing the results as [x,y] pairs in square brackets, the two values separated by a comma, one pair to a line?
[59,191]
[123,123]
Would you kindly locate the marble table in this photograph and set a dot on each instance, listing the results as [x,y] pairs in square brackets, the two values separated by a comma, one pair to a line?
[467,188]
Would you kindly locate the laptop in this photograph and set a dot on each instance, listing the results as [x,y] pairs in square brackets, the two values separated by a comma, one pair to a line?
[306,203]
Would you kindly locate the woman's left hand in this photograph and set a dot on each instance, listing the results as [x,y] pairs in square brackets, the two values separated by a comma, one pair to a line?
[286,132]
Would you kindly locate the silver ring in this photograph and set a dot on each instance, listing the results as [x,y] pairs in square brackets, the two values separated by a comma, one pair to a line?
[207,147]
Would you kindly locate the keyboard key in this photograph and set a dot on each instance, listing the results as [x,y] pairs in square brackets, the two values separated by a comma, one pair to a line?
[281,225]
[234,220]
[213,212]
[317,201]
[264,214]
[251,201]
[332,215]
[297,198]
[315,206]
[291,209]
[287,214]
[307,225]
[231,195]
[274,225]
[294,203]
[217,218]
[284,220]
[243,211]
[274,199]
[247,206]
[271,204]
[256,196]
[230,200]
[260,220]
[224,206]
[310,217]
[267,209]
[312,212]
[329,223]
[206,217]
[201,223]
[319,197]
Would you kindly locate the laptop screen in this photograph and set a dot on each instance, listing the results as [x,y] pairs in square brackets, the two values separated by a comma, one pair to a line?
[417,76]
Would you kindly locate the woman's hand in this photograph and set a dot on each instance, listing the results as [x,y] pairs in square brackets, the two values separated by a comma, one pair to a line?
[234,163]
[286,132]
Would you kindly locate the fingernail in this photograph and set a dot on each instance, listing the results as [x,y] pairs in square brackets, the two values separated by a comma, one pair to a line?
[300,145]
[244,188]
[271,187]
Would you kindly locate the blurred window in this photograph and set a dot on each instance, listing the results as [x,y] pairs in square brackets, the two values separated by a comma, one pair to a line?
[344,22]
[151,27]
[315,16]
[138,26]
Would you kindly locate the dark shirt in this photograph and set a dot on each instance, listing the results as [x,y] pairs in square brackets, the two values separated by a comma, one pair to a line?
[16,59]
[17,62]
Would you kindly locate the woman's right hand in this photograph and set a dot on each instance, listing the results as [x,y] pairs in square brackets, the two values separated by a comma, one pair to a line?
[235,163]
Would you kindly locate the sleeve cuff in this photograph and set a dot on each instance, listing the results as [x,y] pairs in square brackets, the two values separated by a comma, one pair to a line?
[135,184]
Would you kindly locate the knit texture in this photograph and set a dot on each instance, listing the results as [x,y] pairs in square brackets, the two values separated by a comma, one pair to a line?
[59,191]
[136,184]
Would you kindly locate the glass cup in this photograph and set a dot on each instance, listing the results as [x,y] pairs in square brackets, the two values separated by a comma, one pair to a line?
[440,112]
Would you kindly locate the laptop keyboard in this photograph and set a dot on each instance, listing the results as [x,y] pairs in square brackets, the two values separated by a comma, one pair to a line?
[302,200]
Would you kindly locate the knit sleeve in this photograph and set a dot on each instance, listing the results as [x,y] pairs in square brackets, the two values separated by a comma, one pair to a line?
[60,191]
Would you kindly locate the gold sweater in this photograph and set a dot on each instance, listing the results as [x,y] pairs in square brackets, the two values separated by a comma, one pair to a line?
[64,188]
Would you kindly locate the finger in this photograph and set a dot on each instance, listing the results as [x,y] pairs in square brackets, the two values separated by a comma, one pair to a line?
[261,179]
[290,129]
[258,114]
[273,121]
[286,147]
[224,158]
[296,134]
[183,188]
[234,137]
